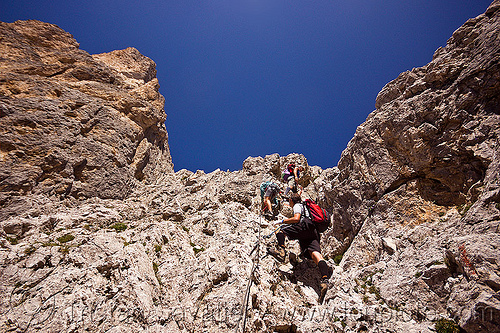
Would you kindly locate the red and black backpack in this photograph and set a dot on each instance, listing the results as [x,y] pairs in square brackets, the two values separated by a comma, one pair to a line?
[319,216]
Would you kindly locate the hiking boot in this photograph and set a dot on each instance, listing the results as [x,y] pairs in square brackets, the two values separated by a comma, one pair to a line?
[323,288]
[276,209]
[268,215]
[279,253]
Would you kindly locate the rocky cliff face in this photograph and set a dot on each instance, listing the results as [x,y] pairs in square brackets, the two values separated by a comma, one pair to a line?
[421,174]
[73,124]
[99,234]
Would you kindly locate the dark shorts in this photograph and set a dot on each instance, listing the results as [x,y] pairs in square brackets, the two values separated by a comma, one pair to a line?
[306,234]
[272,191]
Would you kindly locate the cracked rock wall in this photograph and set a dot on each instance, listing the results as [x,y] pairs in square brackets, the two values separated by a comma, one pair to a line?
[72,124]
[99,234]
[416,192]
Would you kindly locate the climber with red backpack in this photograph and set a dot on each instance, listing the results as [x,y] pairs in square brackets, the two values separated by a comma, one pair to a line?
[291,177]
[306,225]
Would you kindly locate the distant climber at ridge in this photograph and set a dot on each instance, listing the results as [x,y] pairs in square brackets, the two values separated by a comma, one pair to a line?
[291,177]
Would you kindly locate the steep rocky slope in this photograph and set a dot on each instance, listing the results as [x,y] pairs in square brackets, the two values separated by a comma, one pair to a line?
[99,234]
[75,124]
[422,173]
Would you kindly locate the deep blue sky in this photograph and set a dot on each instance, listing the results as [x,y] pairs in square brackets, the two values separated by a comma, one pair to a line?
[255,77]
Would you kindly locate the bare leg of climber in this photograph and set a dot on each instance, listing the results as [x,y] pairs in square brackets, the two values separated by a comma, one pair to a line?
[267,202]
[320,261]
[323,269]
[316,256]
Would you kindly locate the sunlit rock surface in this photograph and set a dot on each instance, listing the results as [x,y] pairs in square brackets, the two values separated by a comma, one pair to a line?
[99,234]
